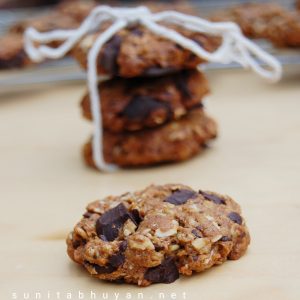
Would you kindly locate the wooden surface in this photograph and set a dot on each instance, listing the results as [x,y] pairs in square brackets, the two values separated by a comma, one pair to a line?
[45,187]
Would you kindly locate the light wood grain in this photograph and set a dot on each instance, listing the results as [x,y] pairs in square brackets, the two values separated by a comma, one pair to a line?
[45,187]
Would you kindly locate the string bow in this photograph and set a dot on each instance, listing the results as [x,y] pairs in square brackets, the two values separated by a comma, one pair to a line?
[235,47]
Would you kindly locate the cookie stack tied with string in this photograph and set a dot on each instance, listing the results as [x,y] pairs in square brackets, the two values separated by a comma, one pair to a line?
[150,111]
[151,108]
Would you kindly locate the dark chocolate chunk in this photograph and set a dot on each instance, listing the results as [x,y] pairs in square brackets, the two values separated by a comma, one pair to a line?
[119,280]
[167,272]
[108,59]
[158,248]
[110,222]
[159,71]
[117,260]
[225,239]
[140,107]
[136,216]
[235,217]
[213,198]
[180,197]
[114,262]
[104,269]
[76,244]
[100,269]
[181,80]
[196,233]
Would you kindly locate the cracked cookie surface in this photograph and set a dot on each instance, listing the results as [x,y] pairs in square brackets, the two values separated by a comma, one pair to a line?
[153,235]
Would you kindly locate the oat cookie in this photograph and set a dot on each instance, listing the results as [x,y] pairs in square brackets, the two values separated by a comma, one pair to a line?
[12,53]
[135,51]
[47,22]
[153,235]
[174,141]
[265,20]
[134,104]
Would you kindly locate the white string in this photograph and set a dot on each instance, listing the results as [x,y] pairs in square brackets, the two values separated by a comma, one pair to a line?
[234,48]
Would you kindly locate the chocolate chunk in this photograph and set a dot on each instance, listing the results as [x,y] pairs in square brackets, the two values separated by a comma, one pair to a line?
[100,269]
[225,239]
[159,71]
[136,216]
[104,269]
[119,280]
[181,83]
[76,244]
[196,233]
[213,198]
[180,197]
[140,107]
[110,54]
[117,260]
[123,246]
[158,247]
[235,217]
[167,272]
[114,262]
[110,222]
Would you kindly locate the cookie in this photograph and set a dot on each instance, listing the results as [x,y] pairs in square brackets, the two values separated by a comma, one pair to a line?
[134,104]
[135,51]
[284,31]
[265,20]
[251,17]
[156,234]
[80,9]
[77,10]
[12,54]
[44,23]
[175,141]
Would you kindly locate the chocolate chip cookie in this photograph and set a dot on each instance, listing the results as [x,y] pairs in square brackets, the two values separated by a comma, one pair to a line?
[12,53]
[174,141]
[153,235]
[265,20]
[136,51]
[134,104]
[47,22]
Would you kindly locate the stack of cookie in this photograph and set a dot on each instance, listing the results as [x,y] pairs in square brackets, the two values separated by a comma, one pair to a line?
[152,107]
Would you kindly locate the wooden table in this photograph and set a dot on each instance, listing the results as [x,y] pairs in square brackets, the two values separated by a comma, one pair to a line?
[45,187]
